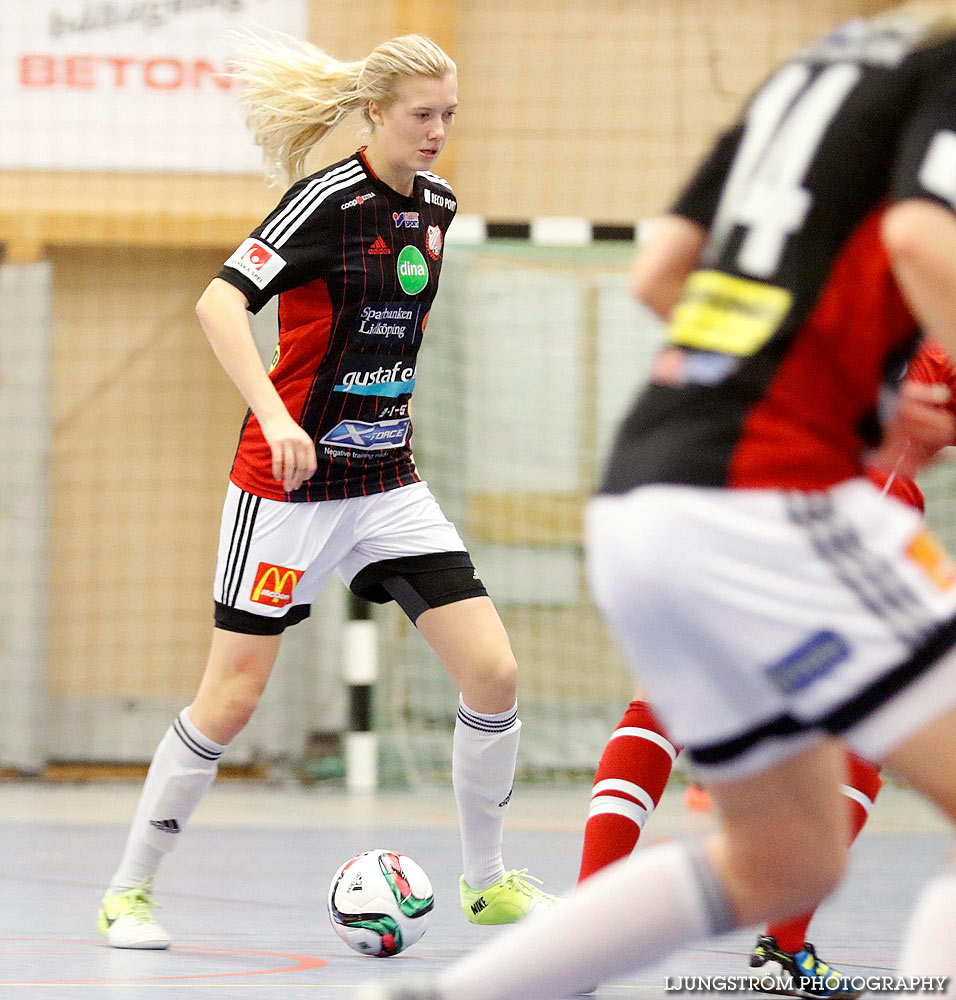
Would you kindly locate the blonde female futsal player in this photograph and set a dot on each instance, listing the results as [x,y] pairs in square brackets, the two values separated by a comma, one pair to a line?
[323,480]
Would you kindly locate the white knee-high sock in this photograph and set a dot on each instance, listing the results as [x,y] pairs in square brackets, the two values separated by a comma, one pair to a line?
[483,761]
[628,916]
[929,948]
[182,769]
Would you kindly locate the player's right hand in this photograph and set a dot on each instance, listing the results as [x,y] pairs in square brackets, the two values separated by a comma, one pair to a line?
[293,452]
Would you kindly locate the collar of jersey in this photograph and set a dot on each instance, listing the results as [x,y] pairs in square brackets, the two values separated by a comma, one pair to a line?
[378,183]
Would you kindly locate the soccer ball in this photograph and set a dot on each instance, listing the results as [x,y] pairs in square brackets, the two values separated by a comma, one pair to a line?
[380,903]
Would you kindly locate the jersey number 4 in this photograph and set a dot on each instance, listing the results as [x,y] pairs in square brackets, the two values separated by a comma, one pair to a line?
[764,191]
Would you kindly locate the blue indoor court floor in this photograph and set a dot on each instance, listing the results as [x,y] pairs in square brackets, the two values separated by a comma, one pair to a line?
[244,893]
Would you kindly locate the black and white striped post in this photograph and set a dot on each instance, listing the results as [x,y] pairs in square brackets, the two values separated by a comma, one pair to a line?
[360,669]
[470,230]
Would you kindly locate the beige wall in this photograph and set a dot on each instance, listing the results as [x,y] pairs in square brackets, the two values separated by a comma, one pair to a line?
[597,109]
[144,424]
[591,108]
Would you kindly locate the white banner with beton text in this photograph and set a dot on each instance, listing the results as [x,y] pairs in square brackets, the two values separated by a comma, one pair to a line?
[128,84]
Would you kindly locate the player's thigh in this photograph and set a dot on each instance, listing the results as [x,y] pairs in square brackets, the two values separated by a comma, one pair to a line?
[235,655]
[927,761]
[469,637]
[237,671]
[406,550]
[785,832]
[471,642]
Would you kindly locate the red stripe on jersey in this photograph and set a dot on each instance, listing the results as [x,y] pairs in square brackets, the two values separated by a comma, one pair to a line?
[803,434]
[305,324]
[365,163]
[931,366]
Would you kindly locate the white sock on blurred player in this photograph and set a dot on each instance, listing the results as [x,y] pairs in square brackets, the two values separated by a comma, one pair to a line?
[631,914]
[182,769]
[484,757]
[928,947]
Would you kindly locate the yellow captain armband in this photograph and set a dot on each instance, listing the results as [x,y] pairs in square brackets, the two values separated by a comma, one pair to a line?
[720,312]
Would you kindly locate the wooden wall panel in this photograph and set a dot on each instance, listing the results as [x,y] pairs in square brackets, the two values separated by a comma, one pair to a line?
[584,109]
[598,109]
[144,427]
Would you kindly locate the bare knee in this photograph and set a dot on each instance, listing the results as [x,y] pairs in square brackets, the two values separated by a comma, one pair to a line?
[239,697]
[232,685]
[781,876]
[222,710]
[490,684]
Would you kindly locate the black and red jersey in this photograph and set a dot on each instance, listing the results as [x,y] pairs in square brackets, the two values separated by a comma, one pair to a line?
[785,338]
[355,265]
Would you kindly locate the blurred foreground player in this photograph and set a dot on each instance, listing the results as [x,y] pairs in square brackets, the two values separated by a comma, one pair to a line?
[630,780]
[772,599]
[323,479]
[637,761]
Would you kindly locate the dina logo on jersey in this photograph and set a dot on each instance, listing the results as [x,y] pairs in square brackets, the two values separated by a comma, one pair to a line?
[412,270]
[409,220]
[676,366]
[363,436]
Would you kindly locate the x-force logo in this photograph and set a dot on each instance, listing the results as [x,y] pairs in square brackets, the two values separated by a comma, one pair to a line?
[363,436]
[274,585]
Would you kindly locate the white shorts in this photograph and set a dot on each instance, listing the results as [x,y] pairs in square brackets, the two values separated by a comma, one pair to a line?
[762,620]
[275,557]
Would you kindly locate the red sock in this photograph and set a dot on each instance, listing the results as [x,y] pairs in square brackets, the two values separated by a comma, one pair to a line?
[862,783]
[630,780]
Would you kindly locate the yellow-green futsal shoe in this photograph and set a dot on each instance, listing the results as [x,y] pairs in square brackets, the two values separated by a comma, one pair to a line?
[506,902]
[126,919]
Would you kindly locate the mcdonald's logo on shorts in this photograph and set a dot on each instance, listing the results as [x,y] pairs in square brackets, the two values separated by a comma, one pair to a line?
[274,585]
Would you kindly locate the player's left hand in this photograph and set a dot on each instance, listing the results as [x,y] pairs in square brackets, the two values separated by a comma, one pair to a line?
[919,429]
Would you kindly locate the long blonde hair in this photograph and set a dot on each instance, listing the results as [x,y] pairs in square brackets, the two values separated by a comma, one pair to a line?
[936,17]
[293,93]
